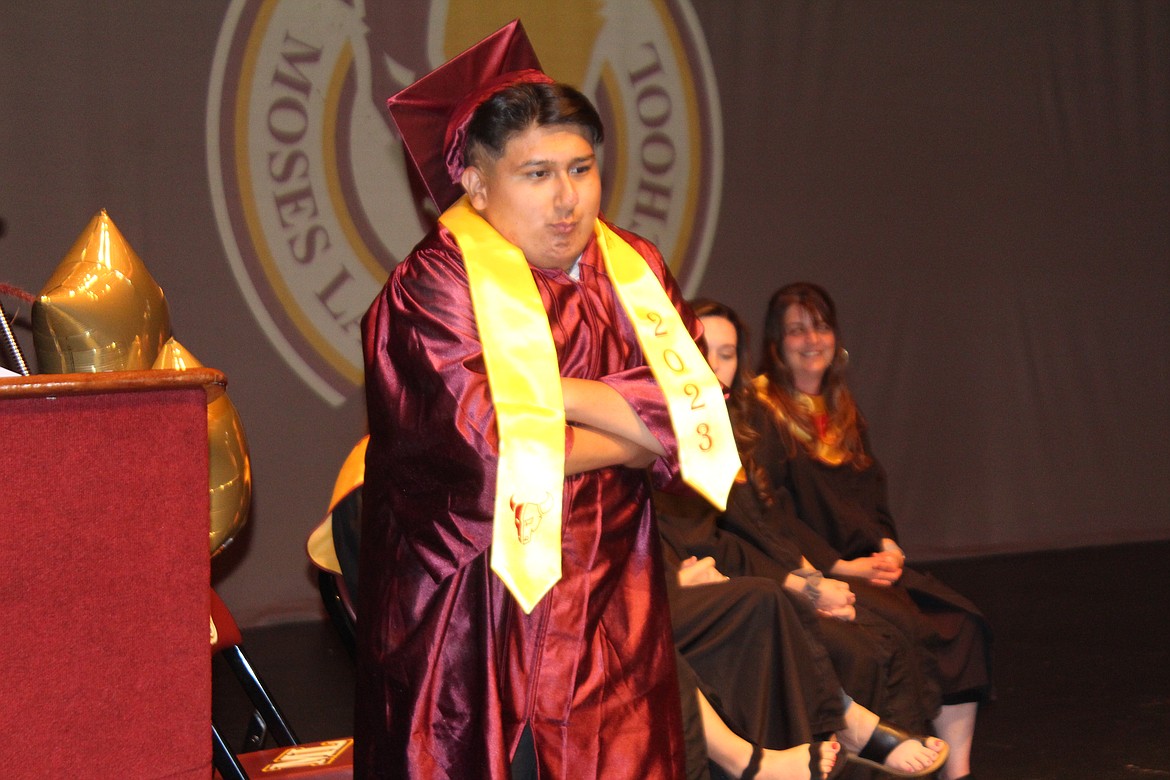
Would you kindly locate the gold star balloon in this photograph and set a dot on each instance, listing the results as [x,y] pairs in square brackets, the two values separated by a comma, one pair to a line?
[230,467]
[101,310]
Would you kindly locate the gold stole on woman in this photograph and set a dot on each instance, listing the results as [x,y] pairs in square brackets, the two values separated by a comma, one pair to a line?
[825,446]
[524,377]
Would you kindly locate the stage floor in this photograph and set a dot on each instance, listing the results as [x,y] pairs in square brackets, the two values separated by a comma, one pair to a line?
[1082,666]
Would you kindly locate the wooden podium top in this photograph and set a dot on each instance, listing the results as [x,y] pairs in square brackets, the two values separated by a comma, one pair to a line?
[211,380]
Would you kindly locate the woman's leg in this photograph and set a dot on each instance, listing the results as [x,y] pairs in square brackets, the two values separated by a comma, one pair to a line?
[733,753]
[956,724]
[759,668]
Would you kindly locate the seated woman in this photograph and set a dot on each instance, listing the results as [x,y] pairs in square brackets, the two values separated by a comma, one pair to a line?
[877,663]
[764,681]
[759,650]
[804,440]
[716,752]
[870,658]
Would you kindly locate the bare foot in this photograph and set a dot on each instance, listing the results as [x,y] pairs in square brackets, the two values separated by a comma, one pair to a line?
[794,763]
[914,756]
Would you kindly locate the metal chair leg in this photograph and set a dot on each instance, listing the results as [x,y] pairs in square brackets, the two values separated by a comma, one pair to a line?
[224,759]
[281,731]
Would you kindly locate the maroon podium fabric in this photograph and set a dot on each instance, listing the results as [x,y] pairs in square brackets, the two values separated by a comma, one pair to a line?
[105,570]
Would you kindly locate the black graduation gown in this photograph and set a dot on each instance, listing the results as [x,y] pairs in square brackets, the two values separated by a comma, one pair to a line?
[840,513]
[872,660]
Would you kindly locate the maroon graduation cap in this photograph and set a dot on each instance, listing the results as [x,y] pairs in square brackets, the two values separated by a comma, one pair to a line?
[432,113]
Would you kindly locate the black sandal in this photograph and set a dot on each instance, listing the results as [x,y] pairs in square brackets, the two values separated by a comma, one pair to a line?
[753,766]
[883,741]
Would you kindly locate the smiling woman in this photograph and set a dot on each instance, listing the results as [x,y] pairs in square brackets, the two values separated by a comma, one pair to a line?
[809,449]
[809,347]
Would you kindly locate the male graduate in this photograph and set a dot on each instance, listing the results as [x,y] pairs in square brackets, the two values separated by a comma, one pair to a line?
[527,366]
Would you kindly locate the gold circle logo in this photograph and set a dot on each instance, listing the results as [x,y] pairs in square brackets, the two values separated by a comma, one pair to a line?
[309,184]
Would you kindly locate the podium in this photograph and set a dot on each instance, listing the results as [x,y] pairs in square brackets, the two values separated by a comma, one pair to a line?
[105,570]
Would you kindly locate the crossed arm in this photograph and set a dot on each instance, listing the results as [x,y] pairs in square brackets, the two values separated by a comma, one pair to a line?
[607,430]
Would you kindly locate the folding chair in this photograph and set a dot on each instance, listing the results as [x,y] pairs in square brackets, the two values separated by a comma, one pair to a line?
[326,759]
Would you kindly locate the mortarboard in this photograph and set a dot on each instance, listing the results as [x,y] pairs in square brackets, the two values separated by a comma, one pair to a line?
[432,113]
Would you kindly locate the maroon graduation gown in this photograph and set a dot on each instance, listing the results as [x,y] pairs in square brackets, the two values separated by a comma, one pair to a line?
[450,669]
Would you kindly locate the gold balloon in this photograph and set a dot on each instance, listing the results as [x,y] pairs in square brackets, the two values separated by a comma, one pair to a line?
[100,310]
[230,466]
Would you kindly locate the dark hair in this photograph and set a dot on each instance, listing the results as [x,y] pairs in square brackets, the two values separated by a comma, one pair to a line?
[515,108]
[781,387]
[706,307]
[740,399]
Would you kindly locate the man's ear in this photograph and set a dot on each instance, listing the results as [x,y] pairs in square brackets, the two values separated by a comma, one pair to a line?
[475,184]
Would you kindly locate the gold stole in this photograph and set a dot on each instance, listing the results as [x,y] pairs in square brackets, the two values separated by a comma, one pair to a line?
[524,377]
[825,448]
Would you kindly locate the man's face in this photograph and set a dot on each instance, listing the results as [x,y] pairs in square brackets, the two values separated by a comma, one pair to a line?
[543,194]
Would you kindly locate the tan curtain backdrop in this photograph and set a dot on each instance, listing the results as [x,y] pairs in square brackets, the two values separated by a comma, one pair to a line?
[984,187]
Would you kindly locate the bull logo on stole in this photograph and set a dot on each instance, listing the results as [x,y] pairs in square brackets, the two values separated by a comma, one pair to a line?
[528,516]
